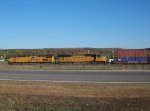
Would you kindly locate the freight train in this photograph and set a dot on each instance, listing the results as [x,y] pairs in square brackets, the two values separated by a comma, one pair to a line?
[59,59]
[130,56]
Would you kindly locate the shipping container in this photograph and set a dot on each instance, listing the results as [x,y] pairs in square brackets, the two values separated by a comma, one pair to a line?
[141,53]
[132,60]
[132,53]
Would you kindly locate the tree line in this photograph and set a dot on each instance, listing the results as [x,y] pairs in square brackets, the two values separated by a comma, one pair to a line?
[7,53]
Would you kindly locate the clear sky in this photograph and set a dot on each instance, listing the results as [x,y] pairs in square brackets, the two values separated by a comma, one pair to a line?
[74,23]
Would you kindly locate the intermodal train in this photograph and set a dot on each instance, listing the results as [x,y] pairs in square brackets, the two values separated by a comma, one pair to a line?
[130,56]
[59,59]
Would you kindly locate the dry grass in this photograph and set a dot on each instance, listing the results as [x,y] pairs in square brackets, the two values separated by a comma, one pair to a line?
[5,66]
[75,89]
[49,96]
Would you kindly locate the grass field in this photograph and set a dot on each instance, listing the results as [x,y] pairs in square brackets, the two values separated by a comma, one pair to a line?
[51,96]
[5,66]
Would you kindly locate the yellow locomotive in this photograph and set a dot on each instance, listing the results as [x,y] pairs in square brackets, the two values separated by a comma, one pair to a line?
[32,59]
[82,58]
[75,59]
[59,59]
[101,59]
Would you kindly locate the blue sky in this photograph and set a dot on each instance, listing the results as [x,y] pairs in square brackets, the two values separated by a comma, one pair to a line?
[74,23]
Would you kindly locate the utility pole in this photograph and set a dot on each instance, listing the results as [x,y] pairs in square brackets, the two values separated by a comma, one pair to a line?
[113,54]
[88,51]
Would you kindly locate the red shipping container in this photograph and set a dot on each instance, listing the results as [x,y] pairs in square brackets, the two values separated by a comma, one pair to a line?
[132,53]
[141,53]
